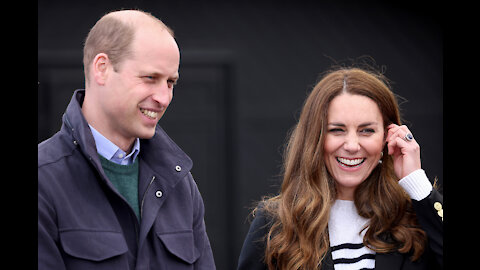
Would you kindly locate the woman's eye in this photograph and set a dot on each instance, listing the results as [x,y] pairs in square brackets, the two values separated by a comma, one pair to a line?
[335,130]
[368,130]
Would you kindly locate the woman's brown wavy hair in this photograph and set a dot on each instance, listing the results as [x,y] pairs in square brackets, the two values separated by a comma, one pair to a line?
[298,237]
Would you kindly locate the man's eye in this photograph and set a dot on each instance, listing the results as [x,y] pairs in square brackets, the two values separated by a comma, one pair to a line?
[171,83]
[149,78]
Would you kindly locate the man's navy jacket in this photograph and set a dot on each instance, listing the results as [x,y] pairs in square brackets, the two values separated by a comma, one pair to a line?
[84,223]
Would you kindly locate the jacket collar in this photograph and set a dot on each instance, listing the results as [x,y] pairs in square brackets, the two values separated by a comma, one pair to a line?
[165,157]
[159,152]
[76,125]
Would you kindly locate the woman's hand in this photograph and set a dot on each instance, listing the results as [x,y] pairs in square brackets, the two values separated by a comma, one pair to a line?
[405,153]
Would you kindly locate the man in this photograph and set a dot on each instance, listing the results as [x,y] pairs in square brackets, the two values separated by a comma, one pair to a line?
[114,191]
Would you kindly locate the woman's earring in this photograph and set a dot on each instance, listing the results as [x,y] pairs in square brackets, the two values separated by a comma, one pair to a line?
[381,156]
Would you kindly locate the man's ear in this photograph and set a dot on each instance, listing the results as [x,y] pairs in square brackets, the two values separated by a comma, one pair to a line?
[100,68]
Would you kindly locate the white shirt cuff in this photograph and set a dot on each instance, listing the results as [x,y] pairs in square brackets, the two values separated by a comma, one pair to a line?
[417,185]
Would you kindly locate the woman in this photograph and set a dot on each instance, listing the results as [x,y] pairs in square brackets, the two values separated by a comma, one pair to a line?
[353,195]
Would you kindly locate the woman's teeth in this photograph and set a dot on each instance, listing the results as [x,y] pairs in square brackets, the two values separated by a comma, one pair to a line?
[148,113]
[350,162]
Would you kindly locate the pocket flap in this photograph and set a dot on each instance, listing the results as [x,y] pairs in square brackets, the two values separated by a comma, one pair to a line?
[180,244]
[93,245]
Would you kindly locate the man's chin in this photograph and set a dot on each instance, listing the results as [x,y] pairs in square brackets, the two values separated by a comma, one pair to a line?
[147,134]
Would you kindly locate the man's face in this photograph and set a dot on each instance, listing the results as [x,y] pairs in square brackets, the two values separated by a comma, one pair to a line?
[139,90]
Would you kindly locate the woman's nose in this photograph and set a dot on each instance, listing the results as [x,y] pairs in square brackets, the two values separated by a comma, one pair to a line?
[351,143]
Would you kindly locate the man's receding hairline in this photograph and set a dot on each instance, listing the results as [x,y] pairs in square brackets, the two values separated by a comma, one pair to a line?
[135,18]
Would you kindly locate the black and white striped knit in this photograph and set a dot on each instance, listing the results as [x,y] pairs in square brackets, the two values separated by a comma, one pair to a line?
[344,226]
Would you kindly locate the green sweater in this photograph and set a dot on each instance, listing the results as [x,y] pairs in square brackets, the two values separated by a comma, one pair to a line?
[125,180]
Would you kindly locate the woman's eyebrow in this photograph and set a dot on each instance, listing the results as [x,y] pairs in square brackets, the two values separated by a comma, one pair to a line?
[337,124]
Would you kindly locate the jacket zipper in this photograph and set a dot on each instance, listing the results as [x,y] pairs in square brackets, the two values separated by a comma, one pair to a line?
[144,194]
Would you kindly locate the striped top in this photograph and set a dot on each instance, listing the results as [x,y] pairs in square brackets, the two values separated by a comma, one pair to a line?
[346,241]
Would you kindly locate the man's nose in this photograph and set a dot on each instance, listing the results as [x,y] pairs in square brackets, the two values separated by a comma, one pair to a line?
[163,94]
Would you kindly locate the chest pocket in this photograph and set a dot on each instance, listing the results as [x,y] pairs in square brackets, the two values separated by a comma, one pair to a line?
[87,247]
[181,244]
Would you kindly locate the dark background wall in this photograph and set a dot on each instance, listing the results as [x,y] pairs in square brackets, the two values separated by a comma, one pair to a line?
[246,68]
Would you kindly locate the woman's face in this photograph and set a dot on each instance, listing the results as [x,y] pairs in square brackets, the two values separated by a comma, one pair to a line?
[353,142]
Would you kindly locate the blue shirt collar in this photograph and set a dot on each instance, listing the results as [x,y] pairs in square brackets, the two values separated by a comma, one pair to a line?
[112,152]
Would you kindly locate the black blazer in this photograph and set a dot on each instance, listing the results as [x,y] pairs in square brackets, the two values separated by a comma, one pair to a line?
[430,216]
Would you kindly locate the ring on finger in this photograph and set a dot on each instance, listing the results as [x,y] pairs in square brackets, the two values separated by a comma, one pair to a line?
[408,137]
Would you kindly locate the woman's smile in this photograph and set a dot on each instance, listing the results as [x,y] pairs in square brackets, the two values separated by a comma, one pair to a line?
[350,162]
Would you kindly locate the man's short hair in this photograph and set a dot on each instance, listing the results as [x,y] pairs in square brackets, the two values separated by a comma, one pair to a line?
[112,36]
